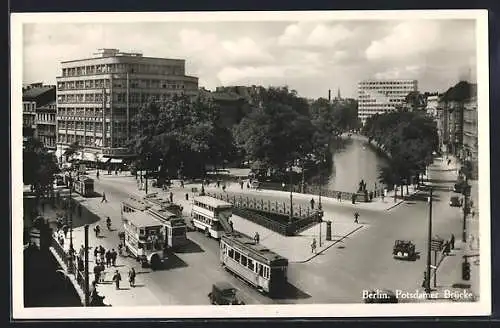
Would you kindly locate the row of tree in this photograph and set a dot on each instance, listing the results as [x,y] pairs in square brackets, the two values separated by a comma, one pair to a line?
[182,135]
[39,166]
[409,139]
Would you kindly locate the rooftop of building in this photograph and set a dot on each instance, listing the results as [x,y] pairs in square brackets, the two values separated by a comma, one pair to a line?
[108,52]
[37,94]
[387,80]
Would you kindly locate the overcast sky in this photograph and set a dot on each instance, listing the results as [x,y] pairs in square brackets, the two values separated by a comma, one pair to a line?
[308,56]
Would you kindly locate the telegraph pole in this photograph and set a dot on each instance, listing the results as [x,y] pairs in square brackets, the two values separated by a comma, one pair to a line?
[429,236]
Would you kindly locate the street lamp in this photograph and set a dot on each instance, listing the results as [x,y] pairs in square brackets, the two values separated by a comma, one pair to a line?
[466,193]
[323,161]
[291,196]
[429,237]
[148,155]
[71,248]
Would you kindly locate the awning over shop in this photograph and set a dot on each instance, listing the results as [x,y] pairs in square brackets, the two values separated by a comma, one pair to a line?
[104,159]
[116,160]
[89,157]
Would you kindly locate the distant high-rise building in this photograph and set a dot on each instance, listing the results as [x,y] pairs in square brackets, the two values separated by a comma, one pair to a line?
[36,98]
[98,97]
[382,96]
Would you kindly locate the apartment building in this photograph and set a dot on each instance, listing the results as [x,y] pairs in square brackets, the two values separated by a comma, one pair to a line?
[98,97]
[46,125]
[382,96]
[35,96]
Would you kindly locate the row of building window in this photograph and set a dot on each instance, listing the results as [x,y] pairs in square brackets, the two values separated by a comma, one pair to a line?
[123,68]
[393,82]
[29,107]
[118,127]
[46,117]
[120,97]
[122,83]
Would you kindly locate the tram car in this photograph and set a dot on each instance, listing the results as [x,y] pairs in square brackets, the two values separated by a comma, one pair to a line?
[84,186]
[153,200]
[254,263]
[404,250]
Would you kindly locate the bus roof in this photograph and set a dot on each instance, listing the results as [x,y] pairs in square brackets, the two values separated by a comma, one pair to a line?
[162,214]
[214,202]
[142,220]
[247,244]
[135,203]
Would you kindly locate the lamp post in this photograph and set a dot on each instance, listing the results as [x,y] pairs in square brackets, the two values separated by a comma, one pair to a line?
[70,207]
[465,191]
[323,161]
[429,237]
[146,177]
[291,196]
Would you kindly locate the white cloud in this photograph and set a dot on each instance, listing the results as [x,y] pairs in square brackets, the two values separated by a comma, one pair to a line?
[246,50]
[234,74]
[407,39]
[313,35]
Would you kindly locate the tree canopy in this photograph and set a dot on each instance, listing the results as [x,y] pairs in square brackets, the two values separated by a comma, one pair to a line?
[409,138]
[180,133]
[39,166]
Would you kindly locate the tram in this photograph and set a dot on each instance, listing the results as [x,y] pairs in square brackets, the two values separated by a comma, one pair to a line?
[133,204]
[153,200]
[144,238]
[254,263]
[211,216]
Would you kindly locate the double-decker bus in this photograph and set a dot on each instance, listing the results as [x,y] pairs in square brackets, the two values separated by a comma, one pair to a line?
[133,204]
[175,227]
[153,200]
[211,216]
[254,263]
[144,238]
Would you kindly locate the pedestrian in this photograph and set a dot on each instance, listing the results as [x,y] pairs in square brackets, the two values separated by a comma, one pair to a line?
[104,198]
[102,271]
[312,203]
[120,249]
[113,257]
[182,183]
[248,185]
[313,246]
[339,196]
[241,184]
[102,254]
[371,195]
[356,216]
[131,277]
[97,174]
[97,273]
[224,187]
[424,282]
[116,278]
[383,194]
[81,253]
[187,196]
[108,258]
[97,230]
[65,231]
[96,253]
[256,238]
[446,249]
[231,224]
[452,241]
[218,183]
[108,223]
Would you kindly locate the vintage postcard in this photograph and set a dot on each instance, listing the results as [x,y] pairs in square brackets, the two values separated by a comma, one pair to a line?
[250,164]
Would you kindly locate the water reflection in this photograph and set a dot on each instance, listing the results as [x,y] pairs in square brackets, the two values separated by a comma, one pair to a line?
[354,160]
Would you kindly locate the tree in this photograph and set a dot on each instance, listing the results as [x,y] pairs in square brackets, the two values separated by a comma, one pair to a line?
[279,131]
[39,166]
[181,134]
[72,150]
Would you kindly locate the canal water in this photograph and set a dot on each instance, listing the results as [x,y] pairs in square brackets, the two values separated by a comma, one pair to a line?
[354,159]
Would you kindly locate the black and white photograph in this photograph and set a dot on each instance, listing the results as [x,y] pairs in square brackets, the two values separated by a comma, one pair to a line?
[250,164]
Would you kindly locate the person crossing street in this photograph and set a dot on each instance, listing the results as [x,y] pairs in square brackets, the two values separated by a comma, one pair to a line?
[131,277]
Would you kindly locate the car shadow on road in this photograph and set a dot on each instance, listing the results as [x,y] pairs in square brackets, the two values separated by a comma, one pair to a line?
[190,247]
[174,262]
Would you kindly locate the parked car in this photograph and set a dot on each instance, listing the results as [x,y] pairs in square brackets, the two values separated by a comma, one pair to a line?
[224,294]
[455,201]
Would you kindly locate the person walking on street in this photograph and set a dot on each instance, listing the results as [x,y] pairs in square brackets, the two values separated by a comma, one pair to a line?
[224,187]
[108,223]
[97,230]
[113,257]
[241,184]
[102,253]
[171,197]
[116,278]
[256,238]
[313,246]
[356,216]
[452,241]
[108,258]
[120,249]
[187,196]
[104,198]
[131,277]
[312,203]
[97,273]
[96,253]
[97,175]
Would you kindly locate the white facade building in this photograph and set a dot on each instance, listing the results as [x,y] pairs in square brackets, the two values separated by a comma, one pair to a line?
[382,96]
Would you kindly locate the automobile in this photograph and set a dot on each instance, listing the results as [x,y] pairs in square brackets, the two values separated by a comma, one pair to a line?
[224,293]
[380,296]
[404,250]
[455,201]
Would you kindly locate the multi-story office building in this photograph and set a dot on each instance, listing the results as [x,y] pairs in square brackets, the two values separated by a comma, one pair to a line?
[98,97]
[470,129]
[382,96]
[35,96]
[46,125]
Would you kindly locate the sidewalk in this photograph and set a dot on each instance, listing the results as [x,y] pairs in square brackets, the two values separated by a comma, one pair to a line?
[125,296]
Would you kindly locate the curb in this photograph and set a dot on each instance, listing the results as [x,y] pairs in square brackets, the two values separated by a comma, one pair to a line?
[402,201]
[326,248]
